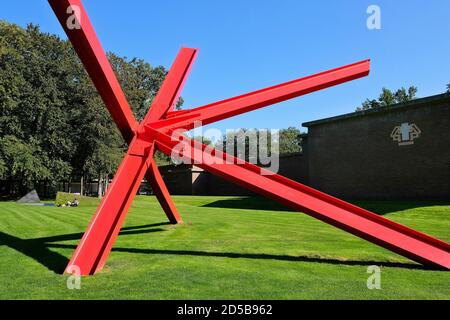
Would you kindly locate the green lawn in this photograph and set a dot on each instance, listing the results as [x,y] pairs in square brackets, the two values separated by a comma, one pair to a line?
[228,248]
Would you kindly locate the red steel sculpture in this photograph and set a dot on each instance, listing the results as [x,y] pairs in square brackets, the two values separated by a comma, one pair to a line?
[156,131]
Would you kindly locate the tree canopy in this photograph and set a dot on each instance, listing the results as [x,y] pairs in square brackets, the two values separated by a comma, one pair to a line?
[53,123]
[288,141]
[388,97]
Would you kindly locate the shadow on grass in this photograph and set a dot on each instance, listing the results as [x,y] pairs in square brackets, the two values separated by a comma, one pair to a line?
[383,207]
[38,249]
[263,256]
[249,203]
[380,207]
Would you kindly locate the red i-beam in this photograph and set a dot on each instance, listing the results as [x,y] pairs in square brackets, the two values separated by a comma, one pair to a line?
[157,132]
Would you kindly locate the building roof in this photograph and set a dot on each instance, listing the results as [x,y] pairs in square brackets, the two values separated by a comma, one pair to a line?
[431,100]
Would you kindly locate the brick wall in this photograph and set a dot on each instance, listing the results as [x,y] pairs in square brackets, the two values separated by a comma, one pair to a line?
[354,156]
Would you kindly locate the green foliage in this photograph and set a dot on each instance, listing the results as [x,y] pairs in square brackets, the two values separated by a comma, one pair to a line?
[2,168]
[288,141]
[54,123]
[388,98]
[23,161]
[162,159]
[103,160]
[139,80]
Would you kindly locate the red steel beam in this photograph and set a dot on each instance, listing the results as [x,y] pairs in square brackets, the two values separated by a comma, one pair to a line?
[94,59]
[162,194]
[169,92]
[362,223]
[97,241]
[166,98]
[250,101]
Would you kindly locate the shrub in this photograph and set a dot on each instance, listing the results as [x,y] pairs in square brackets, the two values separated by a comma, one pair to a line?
[63,197]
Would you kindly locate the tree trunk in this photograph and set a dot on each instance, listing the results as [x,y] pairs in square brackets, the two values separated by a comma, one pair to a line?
[100,186]
[106,183]
[82,185]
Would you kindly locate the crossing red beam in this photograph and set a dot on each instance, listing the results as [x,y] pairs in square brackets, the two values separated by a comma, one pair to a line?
[97,241]
[360,222]
[265,97]
[91,53]
[154,132]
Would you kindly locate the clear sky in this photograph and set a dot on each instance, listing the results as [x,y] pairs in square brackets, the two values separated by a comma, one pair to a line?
[247,45]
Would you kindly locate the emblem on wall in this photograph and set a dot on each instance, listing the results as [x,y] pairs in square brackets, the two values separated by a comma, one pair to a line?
[405,134]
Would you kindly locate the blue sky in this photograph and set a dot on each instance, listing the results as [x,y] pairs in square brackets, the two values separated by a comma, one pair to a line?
[247,45]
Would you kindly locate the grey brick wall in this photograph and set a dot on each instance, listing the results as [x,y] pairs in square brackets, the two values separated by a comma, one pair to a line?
[354,156]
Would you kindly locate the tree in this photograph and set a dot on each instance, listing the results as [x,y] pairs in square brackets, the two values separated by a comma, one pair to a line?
[448,87]
[50,108]
[102,163]
[402,95]
[290,141]
[139,81]
[3,168]
[369,104]
[388,98]
[24,162]
[32,123]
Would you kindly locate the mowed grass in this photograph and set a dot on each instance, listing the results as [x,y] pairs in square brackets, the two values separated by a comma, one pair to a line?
[228,248]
